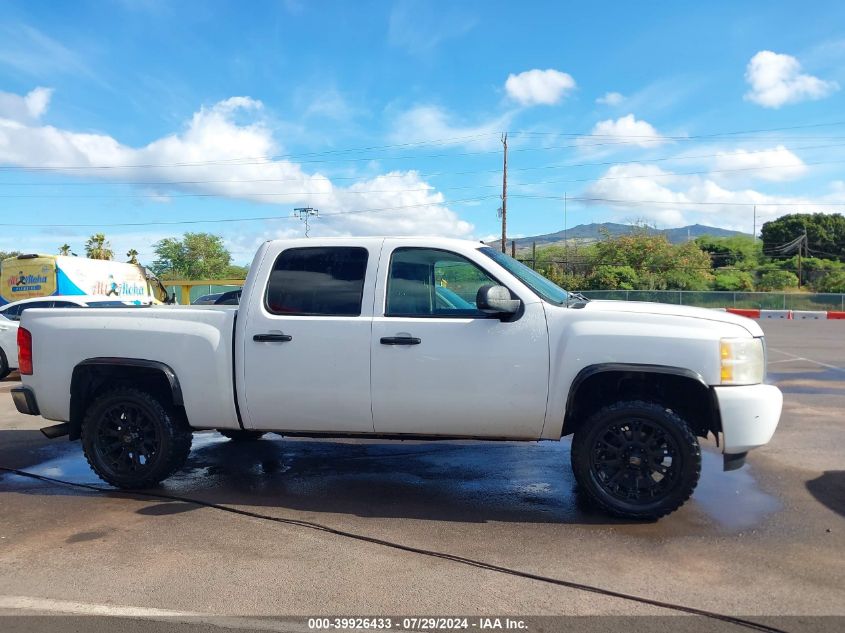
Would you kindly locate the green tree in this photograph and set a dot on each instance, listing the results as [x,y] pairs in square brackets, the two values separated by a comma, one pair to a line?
[97,247]
[64,249]
[737,251]
[825,233]
[606,277]
[194,256]
[7,254]
[132,254]
[777,280]
[832,282]
[233,271]
[733,280]
[659,265]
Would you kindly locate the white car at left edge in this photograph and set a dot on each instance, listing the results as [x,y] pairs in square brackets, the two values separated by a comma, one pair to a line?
[10,315]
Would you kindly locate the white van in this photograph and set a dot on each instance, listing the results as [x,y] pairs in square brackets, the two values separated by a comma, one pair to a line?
[37,276]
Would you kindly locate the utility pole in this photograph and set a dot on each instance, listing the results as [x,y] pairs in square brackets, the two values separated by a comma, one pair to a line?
[304,214]
[505,194]
[802,244]
[565,235]
[754,231]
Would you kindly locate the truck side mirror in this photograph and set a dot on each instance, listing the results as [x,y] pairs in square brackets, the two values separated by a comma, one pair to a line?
[496,300]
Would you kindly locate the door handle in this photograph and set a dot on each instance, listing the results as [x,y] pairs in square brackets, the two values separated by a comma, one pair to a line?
[400,340]
[272,338]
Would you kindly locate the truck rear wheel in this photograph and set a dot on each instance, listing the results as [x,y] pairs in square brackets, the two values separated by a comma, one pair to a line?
[636,460]
[240,435]
[132,440]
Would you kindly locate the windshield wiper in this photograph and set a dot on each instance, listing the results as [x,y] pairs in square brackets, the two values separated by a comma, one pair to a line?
[576,298]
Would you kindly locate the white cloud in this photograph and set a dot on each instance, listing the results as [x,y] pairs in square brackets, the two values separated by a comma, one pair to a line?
[226,150]
[611,99]
[24,109]
[420,27]
[628,130]
[674,199]
[28,50]
[539,87]
[427,123]
[775,164]
[777,80]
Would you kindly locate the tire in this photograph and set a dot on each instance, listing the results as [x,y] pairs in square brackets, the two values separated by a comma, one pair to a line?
[4,366]
[619,458]
[132,440]
[240,435]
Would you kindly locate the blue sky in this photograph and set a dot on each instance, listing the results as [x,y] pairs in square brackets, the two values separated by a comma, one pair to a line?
[387,116]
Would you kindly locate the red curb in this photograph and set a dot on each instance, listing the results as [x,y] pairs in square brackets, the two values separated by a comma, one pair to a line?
[746,312]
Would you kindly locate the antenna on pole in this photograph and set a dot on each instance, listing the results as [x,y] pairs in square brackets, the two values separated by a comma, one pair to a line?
[505,193]
[304,214]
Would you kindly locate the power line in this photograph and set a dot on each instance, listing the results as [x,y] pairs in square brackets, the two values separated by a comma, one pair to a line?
[619,140]
[431,188]
[684,202]
[251,219]
[431,174]
[753,131]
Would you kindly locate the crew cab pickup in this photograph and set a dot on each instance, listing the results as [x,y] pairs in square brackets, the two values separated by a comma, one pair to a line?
[407,338]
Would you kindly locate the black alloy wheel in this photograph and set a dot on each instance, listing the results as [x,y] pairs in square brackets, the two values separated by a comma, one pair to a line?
[636,459]
[132,440]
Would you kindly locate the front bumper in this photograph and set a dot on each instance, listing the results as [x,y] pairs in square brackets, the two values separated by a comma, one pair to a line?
[25,402]
[750,415]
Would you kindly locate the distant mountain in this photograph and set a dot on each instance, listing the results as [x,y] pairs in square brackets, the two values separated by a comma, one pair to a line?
[593,232]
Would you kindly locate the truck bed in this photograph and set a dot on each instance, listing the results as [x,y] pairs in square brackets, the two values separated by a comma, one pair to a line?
[196,343]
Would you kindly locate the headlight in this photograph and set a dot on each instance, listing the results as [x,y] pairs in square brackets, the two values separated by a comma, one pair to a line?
[743,361]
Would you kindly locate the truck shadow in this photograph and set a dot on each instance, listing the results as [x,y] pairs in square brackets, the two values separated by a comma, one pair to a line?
[817,381]
[829,490]
[467,482]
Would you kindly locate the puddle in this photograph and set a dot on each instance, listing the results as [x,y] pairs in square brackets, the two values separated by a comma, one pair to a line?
[732,498]
[440,481]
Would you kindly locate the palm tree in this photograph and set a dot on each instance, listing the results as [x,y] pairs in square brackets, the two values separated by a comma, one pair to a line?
[64,249]
[98,248]
[133,256]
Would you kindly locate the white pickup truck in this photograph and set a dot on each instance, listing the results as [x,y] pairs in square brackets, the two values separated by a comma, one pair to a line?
[407,338]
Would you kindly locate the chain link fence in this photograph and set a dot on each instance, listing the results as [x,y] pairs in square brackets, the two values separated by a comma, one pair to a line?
[720,299]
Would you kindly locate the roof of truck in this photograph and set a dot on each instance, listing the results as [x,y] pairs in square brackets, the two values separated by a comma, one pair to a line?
[433,239]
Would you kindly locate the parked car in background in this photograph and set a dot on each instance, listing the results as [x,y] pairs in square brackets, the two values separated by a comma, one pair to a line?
[8,346]
[231,298]
[11,313]
[207,300]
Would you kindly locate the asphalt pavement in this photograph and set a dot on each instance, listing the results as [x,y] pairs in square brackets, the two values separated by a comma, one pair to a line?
[766,542]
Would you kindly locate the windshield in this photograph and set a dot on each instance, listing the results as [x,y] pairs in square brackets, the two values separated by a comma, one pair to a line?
[542,287]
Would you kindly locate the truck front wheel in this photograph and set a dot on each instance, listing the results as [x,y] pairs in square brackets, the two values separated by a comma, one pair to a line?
[132,440]
[636,460]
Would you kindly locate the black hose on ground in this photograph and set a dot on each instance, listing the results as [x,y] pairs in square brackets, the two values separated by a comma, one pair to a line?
[408,548]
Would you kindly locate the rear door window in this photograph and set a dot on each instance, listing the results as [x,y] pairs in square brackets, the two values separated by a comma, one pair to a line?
[319,281]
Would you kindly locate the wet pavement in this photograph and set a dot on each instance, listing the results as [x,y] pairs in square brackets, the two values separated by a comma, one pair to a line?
[768,539]
[476,482]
